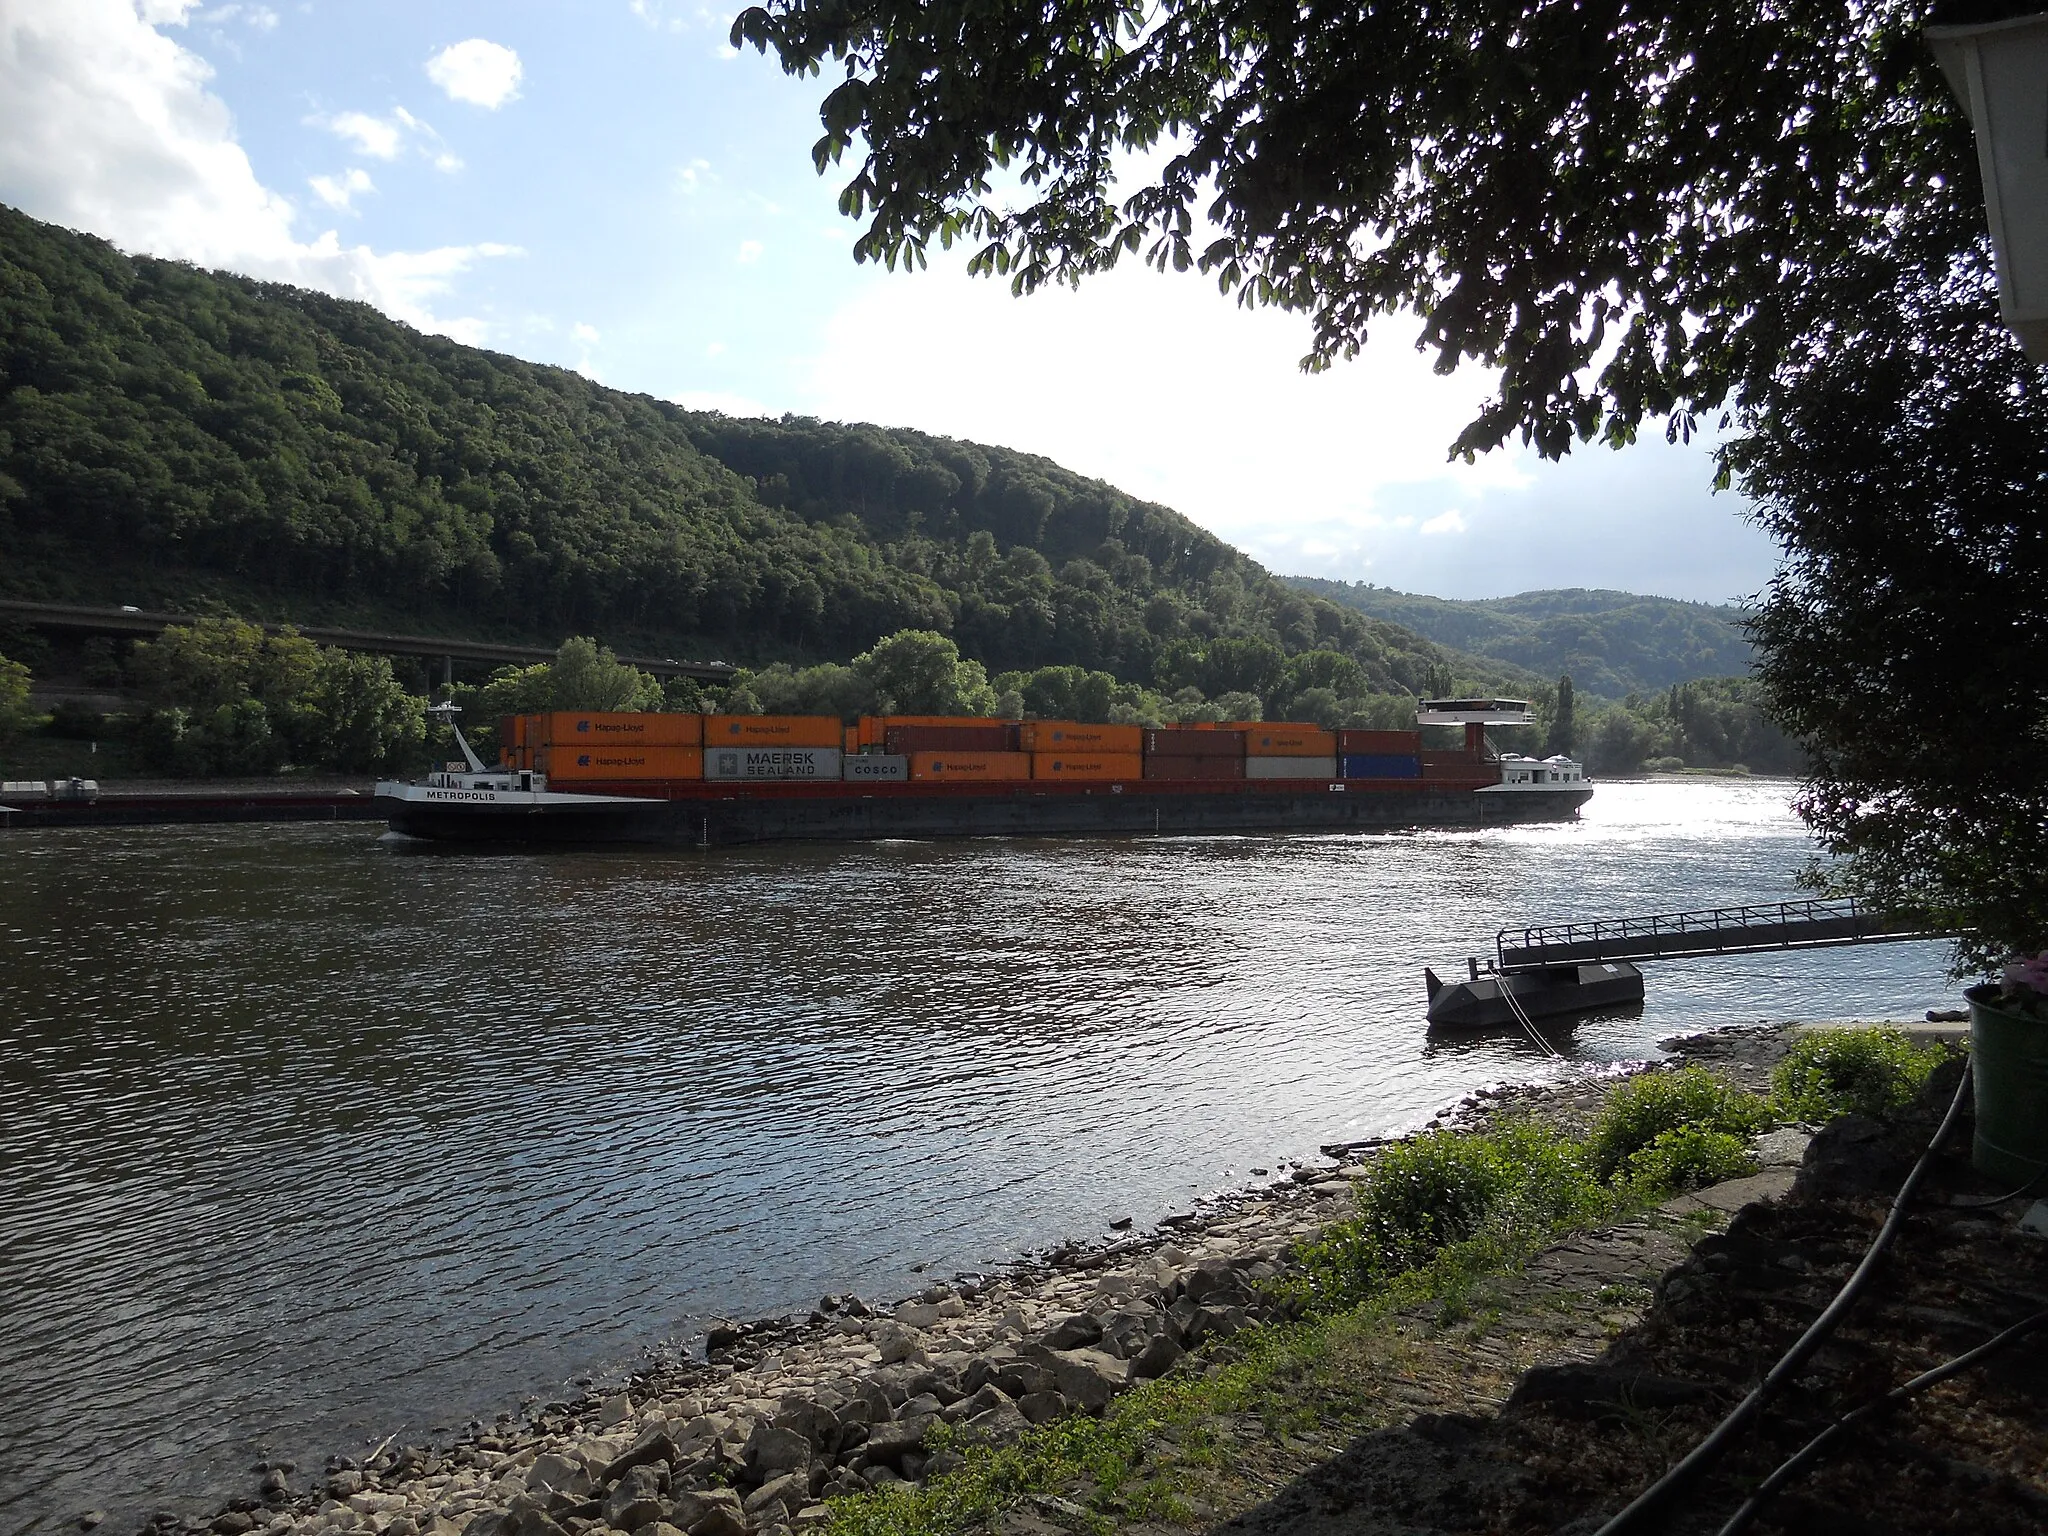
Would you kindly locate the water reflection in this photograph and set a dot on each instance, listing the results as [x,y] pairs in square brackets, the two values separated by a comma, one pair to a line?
[301,1142]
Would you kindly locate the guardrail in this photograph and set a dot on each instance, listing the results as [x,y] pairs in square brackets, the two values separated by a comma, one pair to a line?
[1819,923]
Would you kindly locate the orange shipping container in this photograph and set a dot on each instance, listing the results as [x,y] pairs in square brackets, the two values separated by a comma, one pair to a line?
[606,761]
[941,766]
[571,729]
[1087,765]
[850,742]
[1073,736]
[773,731]
[1288,740]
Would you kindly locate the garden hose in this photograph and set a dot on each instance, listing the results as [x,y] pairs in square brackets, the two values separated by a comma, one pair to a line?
[1808,1454]
[1646,1511]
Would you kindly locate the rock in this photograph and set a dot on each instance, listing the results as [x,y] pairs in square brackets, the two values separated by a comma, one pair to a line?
[276,1485]
[952,1306]
[1087,1378]
[1071,1332]
[943,1462]
[91,1519]
[898,1343]
[1180,1319]
[657,1528]
[989,1396]
[814,1421]
[1041,1407]
[998,1425]
[771,1451]
[636,1501]
[1782,1148]
[232,1523]
[692,1505]
[924,1406]
[1155,1359]
[559,1473]
[917,1314]
[1119,1223]
[721,1522]
[890,1442]
[654,1444]
[614,1411]
[1125,1334]
[342,1484]
[788,1492]
[1025,1377]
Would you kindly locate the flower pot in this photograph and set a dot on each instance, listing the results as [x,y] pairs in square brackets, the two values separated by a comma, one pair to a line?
[2009,1063]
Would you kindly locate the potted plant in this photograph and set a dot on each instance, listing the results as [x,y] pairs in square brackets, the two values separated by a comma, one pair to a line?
[2009,1055]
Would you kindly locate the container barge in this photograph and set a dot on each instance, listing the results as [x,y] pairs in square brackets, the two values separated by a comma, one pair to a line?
[717,780]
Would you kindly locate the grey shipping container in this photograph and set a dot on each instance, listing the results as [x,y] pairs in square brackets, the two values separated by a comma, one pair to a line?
[1291,767]
[876,768]
[757,763]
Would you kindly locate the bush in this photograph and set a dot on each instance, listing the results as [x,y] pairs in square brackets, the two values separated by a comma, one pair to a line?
[1689,1157]
[1649,1106]
[1871,1071]
[1428,1194]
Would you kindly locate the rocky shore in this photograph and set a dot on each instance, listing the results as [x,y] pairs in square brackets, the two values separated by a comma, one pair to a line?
[783,1413]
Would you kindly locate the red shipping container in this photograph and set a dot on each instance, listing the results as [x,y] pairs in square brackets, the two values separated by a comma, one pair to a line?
[1211,768]
[905,739]
[1452,765]
[1379,743]
[1193,743]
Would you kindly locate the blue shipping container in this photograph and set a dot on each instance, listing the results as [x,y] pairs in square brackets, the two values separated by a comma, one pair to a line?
[1382,765]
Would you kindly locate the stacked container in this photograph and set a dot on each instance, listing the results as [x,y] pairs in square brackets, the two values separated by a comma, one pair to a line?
[1380,754]
[1192,753]
[953,736]
[571,745]
[1286,750]
[1072,750]
[772,747]
[940,767]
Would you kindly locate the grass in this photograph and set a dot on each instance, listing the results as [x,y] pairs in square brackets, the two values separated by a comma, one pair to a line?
[1439,1217]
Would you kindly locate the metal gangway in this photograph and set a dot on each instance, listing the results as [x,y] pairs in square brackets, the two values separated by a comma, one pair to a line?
[1815,924]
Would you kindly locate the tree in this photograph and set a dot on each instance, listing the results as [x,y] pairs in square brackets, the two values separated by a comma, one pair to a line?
[1613,204]
[917,672]
[14,705]
[1563,721]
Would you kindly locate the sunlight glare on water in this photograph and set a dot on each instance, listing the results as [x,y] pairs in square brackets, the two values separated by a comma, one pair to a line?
[304,1142]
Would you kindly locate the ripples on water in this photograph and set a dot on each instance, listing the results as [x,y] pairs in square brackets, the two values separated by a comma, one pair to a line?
[303,1141]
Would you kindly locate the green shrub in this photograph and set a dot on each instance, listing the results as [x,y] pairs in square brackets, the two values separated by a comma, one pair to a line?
[1646,1107]
[1872,1071]
[1425,1195]
[1690,1157]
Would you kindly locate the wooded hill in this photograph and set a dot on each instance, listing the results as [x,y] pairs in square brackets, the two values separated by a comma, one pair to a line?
[178,438]
[1612,643]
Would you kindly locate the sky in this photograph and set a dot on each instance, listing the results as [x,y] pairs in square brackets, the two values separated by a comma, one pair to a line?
[609,187]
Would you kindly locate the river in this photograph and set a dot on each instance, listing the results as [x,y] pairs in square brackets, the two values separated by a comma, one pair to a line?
[305,1140]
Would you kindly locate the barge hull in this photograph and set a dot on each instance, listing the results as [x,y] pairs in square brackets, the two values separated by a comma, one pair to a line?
[865,813]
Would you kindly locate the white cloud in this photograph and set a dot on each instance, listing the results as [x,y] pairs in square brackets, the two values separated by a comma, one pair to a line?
[714,349]
[379,138]
[259,18]
[749,252]
[583,332]
[1450,520]
[107,125]
[341,191]
[690,178]
[484,74]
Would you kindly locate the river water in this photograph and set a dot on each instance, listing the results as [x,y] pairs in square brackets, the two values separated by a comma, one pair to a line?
[305,1140]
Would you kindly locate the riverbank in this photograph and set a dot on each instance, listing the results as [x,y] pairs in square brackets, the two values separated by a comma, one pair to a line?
[786,1413]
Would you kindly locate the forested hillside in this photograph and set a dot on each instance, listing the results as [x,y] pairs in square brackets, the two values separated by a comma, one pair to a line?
[201,441]
[1612,643]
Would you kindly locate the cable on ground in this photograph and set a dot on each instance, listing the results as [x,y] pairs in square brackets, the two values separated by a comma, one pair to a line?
[1646,1510]
[1796,1465]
